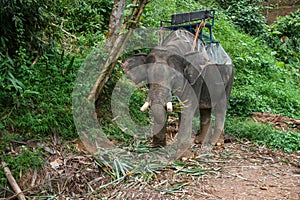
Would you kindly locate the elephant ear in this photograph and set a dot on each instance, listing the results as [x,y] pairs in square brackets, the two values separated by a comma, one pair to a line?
[135,68]
[176,62]
[196,62]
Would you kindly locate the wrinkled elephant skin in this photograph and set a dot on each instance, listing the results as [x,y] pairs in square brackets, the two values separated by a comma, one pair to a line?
[202,77]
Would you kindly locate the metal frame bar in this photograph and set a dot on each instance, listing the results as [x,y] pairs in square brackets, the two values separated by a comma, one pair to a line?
[181,18]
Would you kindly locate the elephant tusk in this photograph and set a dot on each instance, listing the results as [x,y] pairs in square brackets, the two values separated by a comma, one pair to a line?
[169,107]
[145,106]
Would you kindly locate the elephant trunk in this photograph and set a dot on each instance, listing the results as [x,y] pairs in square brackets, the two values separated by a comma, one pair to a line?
[158,113]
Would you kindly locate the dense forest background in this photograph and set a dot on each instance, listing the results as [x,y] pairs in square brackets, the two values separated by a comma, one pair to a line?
[43,44]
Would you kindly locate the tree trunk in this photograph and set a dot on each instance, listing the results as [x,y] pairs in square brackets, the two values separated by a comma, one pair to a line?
[115,22]
[114,40]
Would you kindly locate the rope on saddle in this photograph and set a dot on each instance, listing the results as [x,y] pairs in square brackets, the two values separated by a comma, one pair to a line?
[199,28]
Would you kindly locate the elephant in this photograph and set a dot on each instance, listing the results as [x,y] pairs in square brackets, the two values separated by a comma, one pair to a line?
[201,75]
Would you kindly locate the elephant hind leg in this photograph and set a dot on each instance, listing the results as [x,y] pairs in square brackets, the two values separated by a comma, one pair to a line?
[205,125]
[206,136]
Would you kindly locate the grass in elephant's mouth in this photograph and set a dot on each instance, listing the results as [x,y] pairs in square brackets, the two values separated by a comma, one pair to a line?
[172,129]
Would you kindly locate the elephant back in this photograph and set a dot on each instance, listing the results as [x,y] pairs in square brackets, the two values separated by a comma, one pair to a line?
[203,56]
[183,40]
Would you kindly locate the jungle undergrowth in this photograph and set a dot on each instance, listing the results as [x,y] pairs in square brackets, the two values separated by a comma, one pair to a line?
[36,88]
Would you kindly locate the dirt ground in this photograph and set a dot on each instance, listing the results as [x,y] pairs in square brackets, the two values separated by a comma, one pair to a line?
[251,172]
[234,171]
[275,8]
[238,170]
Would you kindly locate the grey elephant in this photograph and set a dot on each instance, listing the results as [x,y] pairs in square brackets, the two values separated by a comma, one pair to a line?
[199,74]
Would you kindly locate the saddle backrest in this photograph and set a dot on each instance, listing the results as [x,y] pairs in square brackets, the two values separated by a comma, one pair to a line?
[181,21]
[192,16]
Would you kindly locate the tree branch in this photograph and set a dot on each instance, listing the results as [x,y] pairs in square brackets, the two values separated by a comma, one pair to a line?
[13,182]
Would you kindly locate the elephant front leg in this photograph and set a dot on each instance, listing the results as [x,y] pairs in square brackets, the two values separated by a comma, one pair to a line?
[159,137]
[184,136]
[205,126]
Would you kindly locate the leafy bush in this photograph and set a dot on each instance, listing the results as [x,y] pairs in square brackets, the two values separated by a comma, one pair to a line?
[261,84]
[21,26]
[83,17]
[44,106]
[246,14]
[21,41]
[38,65]
[33,28]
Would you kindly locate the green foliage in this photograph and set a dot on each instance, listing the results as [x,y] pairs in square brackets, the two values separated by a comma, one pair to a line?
[38,66]
[31,29]
[263,134]
[246,14]
[28,25]
[23,161]
[21,25]
[19,35]
[262,97]
[83,17]
[137,99]
[288,25]
[44,105]
[284,38]
[260,84]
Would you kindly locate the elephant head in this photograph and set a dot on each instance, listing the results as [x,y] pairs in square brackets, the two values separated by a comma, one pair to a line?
[160,70]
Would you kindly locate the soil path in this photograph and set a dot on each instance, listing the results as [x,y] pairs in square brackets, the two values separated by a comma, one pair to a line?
[250,172]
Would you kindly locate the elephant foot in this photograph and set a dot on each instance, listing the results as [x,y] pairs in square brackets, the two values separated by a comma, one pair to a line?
[184,150]
[220,141]
[184,154]
[198,139]
[159,141]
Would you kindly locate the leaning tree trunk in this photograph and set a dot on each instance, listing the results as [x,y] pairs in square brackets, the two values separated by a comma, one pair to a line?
[115,41]
[115,22]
